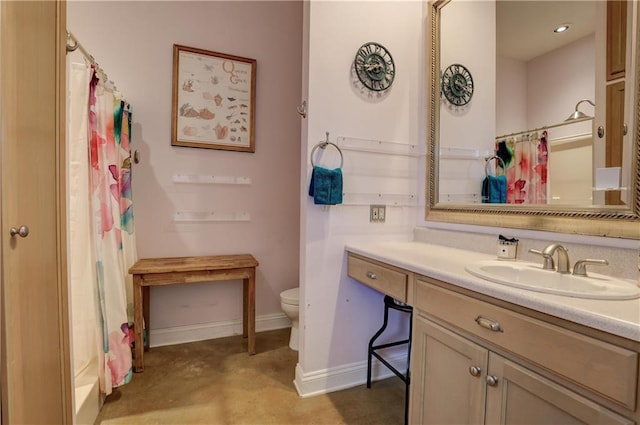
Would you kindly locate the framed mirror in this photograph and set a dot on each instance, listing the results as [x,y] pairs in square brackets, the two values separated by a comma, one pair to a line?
[500,98]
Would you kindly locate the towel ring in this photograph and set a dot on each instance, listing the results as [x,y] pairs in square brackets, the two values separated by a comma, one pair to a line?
[323,145]
[486,171]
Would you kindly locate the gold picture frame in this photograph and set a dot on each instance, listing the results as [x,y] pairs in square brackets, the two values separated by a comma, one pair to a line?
[213,100]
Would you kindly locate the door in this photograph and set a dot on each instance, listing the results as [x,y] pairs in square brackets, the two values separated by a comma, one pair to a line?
[516,395]
[36,376]
[447,377]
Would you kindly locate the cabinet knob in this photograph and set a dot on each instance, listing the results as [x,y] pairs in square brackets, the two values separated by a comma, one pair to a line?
[475,371]
[22,231]
[492,380]
[372,275]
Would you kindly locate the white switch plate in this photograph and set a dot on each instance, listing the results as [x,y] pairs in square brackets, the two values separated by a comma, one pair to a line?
[377,213]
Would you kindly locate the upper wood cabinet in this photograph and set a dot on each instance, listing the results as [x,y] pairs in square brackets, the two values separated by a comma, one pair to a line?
[616,38]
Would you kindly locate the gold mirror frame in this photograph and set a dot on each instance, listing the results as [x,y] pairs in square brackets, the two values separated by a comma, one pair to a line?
[614,221]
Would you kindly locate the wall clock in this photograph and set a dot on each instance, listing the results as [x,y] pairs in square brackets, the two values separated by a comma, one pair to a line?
[374,66]
[457,84]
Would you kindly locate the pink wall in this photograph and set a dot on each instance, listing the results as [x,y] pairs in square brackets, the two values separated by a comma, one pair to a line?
[132,41]
[545,90]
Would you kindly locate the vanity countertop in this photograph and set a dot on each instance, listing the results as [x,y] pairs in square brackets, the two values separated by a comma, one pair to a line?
[620,318]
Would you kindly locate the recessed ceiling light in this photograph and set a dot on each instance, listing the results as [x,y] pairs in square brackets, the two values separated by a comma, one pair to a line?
[561,28]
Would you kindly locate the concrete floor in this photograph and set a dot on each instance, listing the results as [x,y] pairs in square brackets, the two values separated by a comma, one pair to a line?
[216,382]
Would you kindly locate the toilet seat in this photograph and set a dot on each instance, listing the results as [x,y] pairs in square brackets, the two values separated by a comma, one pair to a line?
[290,296]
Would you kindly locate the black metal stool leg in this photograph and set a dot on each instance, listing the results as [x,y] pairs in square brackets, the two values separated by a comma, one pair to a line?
[390,302]
[372,340]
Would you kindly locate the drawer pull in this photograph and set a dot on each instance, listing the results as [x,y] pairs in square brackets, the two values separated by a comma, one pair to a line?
[475,371]
[492,380]
[372,275]
[489,324]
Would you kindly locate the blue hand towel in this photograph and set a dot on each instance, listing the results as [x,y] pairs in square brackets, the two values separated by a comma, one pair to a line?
[326,186]
[494,190]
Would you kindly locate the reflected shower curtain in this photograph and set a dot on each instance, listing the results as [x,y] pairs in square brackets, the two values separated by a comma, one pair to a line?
[526,159]
[112,216]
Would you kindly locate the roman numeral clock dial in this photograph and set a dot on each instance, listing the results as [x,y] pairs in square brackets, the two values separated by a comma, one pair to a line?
[374,67]
[457,84]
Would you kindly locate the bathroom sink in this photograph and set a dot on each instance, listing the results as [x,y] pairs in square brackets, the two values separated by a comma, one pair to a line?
[533,277]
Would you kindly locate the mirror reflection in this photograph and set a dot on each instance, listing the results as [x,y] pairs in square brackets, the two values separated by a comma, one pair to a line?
[525,88]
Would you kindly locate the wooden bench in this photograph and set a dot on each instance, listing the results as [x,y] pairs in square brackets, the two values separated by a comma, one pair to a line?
[180,270]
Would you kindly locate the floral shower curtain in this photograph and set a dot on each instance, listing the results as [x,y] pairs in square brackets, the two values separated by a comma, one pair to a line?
[82,273]
[526,160]
[112,216]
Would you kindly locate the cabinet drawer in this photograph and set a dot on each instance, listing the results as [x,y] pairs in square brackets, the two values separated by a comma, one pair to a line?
[607,369]
[381,278]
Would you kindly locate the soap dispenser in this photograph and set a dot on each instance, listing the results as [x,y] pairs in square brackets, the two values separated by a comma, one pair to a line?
[507,248]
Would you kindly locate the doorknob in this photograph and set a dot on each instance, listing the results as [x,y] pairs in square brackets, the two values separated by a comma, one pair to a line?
[22,231]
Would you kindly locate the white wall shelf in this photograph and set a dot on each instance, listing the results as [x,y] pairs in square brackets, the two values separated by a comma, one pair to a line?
[389,199]
[209,179]
[464,153]
[459,198]
[380,146]
[207,216]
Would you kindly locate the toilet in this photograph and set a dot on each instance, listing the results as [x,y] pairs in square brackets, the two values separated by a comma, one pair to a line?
[289,300]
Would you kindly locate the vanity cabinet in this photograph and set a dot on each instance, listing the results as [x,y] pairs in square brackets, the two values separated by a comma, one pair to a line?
[475,362]
[478,359]
[456,381]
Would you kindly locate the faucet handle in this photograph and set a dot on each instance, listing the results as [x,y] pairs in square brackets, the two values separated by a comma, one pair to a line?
[580,268]
[548,259]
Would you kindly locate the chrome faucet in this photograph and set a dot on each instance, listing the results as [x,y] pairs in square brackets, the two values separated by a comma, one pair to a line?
[580,268]
[548,264]
[563,256]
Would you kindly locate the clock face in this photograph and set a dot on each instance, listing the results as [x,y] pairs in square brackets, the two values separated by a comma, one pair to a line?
[457,84]
[374,66]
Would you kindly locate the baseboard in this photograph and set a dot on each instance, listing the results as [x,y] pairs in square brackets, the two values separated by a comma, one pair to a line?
[325,381]
[203,331]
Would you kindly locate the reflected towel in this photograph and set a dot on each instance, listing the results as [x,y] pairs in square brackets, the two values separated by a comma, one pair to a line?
[326,186]
[494,190]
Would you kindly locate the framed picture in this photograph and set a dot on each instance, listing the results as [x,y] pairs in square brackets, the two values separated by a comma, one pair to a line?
[213,100]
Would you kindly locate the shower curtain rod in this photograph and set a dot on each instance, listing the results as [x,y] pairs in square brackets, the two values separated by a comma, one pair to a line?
[545,127]
[77,46]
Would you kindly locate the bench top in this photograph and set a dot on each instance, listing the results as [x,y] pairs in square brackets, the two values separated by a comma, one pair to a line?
[186,264]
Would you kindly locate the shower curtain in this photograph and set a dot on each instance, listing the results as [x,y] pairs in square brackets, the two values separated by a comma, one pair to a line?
[82,272]
[526,160]
[104,184]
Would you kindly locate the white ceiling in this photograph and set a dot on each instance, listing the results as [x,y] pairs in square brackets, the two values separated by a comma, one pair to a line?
[525,28]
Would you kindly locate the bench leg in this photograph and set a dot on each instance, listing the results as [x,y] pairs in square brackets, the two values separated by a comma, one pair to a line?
[138,321]
[249,311]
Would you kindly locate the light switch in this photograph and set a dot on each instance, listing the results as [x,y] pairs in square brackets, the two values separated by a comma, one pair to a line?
[377,213]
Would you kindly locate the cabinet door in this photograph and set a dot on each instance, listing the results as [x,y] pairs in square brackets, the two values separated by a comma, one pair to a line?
[521,396]
[443,388]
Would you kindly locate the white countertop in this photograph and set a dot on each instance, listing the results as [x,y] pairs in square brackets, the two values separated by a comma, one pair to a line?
[620,318]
